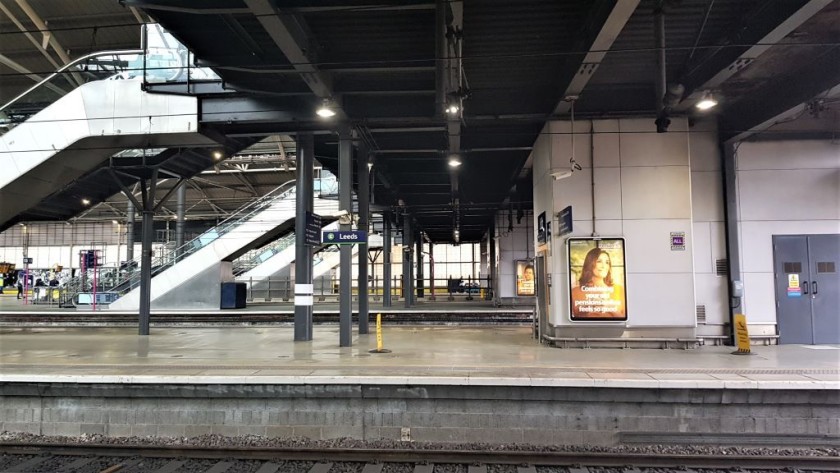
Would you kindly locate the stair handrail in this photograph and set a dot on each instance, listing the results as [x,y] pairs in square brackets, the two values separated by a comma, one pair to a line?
[116,52]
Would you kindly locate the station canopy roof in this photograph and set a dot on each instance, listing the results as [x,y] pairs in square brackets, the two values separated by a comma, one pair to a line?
[391,69]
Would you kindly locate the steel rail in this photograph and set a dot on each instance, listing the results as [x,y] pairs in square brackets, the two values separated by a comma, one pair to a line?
[536,458]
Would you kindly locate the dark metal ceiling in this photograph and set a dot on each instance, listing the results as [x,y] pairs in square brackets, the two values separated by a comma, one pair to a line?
[382,62]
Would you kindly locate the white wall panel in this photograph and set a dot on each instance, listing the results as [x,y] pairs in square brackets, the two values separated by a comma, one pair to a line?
[607,139]
[759,298]
[711,292]
[648,246]
[788,155]
[704,262]
[661,299]
[805,194]
[656,192]
[608,193]
[667,149]
[707,196]
[703,149]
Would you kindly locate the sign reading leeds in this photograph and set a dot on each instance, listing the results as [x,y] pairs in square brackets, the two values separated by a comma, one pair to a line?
[344,238]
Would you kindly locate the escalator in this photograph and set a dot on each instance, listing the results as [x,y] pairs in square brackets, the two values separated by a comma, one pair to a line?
[88,112]
[190,276]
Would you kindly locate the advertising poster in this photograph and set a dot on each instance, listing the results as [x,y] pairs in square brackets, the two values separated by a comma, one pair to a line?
[596,279]
[524,278]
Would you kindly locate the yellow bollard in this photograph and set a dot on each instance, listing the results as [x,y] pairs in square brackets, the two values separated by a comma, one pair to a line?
[379,348]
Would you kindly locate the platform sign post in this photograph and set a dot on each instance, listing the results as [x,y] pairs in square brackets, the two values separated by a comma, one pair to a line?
[312,229]
[742,336]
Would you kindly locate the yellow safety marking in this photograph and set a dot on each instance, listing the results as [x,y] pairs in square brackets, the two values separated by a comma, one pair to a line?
[741,334]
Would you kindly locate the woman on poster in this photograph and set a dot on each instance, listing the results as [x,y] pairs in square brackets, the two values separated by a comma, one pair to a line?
[596,296]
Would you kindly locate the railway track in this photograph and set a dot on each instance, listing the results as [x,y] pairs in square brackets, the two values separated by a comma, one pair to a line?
[37,457]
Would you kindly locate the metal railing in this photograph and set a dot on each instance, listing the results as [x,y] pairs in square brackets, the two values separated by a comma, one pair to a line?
[89,68]
[326,289]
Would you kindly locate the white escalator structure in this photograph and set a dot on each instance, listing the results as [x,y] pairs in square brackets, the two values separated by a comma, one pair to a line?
[190,277]
[59,130]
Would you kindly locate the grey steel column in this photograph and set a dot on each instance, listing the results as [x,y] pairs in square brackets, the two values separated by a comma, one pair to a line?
[180,205]
[421,286]
[730,209]
[492,241]
[303,253]
[408,274]
[431,271]
[363,196]
[129,232]
[146,268]
[386,260]
[345,203]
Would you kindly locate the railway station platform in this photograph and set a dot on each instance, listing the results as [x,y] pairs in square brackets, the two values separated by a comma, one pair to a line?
[439,383]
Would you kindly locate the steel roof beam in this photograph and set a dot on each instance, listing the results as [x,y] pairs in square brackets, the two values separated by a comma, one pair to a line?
[762,46]
[289,33]
[621,12]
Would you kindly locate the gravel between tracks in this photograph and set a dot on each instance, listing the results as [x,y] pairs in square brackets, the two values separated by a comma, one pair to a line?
[296,442]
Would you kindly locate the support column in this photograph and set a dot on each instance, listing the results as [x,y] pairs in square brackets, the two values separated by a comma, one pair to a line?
[386,260]
[180,205]
[421,284]
[431,271]
[363,195]
[408,274]
[492,241]
[146,268]
[129,232]
[303,252]
[730,209]
[345,203]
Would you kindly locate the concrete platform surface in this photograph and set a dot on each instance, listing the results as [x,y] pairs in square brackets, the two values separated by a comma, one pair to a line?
[469,356]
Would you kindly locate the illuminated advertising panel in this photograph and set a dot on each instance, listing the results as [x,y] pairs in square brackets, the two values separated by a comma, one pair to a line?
[524,278]
[597,279]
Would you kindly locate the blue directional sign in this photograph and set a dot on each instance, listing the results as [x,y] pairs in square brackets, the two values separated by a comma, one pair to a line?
[344,238]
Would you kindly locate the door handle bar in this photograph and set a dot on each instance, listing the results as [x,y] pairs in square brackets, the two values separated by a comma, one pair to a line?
[805,287]
[814,287]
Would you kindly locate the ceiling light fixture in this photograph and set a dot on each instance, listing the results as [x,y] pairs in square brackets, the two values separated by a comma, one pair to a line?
[86,201]
[454,161]
[453,108]
[326,109]
[217,155]
[706,102]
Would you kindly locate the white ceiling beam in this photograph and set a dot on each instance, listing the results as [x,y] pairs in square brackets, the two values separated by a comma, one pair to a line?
[28,35]
[621,12]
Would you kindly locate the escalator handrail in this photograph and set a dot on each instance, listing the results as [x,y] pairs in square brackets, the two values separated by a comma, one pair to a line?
[116,52]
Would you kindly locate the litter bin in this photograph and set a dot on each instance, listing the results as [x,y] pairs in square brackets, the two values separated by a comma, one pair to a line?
[233,295]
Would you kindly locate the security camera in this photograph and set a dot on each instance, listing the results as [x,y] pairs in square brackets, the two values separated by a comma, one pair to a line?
[561,174]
